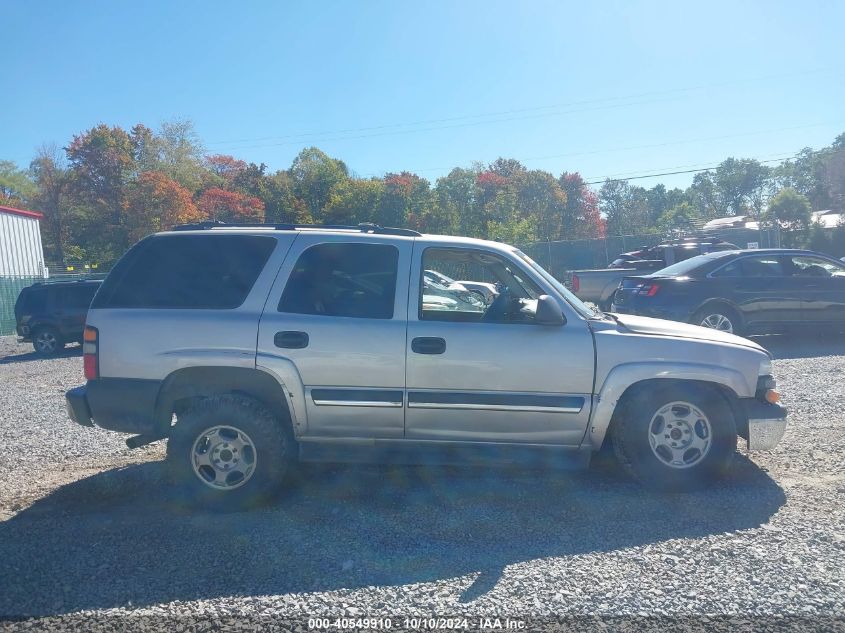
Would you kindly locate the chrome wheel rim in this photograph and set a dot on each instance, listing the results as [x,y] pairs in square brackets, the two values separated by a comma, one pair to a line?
[680,435]
[46,342]
[223,457]
[718,322]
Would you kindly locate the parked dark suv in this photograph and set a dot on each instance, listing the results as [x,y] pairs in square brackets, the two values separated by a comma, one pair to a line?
[50,315]
[742,292]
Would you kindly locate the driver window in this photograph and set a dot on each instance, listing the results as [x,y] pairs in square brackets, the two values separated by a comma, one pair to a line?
[471,285]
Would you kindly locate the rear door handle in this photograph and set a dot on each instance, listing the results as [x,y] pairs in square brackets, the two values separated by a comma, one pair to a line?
[291,340]
[428,345]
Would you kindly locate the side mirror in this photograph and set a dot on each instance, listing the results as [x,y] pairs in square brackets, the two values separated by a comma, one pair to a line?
[548,311]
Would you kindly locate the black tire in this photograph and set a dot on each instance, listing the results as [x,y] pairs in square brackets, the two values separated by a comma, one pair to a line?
[47,341]
[716,310]
[636,418]
[273,453]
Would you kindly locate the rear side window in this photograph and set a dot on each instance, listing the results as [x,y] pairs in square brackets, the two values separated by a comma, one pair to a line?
[78,297]
[187,272]
[343,280]
[33,301]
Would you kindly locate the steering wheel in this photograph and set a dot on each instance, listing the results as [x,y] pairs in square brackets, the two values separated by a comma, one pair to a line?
[499,309]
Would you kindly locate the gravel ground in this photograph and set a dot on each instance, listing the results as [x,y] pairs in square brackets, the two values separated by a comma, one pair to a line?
[89,532]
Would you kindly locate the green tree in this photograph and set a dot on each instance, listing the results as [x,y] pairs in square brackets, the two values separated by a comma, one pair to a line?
[742,185]
[101,164]
[314,174]
[680,219]
[354,201]
[16,187]
[625,208]
[791,211]
[455,196]
[51,180]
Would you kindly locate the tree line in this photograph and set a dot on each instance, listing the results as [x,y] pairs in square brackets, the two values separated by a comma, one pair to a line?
[109,187]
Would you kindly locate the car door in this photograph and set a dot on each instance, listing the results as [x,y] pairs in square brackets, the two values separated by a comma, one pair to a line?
[336,317]
[475,376]
[823,282]
[761,290]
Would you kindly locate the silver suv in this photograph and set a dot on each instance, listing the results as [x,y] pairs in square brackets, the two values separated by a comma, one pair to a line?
[253,347]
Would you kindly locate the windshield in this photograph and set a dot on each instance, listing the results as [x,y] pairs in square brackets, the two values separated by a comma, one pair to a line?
[688,265]
[570,298]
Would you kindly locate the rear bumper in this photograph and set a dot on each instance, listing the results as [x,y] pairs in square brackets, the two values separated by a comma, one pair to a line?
[766,424]
[77,406]
[117,404]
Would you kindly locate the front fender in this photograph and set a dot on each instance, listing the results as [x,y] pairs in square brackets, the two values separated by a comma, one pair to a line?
[624,376]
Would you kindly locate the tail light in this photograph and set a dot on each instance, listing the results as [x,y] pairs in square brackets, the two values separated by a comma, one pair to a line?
[576,283]
[90,353]
[648,290]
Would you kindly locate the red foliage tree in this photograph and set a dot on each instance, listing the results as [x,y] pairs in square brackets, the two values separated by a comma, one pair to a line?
[582,218]
[230,206]
[157,203]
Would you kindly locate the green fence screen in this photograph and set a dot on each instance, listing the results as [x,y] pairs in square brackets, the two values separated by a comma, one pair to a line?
[10,288]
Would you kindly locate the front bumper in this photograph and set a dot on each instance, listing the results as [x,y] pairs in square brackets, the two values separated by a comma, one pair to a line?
[77,406]
[766,424]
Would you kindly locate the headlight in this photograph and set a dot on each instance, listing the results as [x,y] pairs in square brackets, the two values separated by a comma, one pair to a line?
[766,385]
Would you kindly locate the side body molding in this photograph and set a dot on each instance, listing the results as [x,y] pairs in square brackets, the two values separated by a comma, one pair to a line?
[285,373]
[623,376]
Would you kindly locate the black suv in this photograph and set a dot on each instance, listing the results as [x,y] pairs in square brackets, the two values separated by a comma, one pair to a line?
[50,315]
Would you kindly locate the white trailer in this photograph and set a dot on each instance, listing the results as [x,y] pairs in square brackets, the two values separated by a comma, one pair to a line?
[21,259]
[21,253]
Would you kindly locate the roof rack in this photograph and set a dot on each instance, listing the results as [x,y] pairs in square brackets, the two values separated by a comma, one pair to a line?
[364,227]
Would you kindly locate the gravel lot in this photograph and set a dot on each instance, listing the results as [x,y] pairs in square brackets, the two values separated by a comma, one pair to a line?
[88,531]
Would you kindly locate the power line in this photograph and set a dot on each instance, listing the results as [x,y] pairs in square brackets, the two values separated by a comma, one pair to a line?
[382,130]
[647,146]
[593,181]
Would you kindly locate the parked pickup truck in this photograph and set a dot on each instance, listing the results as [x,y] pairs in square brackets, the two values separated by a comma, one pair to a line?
[598,286]
[253,347]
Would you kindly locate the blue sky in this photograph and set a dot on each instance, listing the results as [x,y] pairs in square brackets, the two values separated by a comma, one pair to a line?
[604,88]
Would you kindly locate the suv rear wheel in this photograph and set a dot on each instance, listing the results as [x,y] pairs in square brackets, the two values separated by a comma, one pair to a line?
[675,438]
[47,341]
[228,452]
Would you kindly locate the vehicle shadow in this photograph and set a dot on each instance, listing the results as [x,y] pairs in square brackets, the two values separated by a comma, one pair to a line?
[803,344]
[115,539]
[71,351]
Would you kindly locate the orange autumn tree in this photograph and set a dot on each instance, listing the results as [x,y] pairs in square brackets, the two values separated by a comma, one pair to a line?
[156,202]
[230,206]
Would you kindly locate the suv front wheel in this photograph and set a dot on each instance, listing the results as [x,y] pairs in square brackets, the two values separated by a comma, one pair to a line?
[228,452]
[675,438]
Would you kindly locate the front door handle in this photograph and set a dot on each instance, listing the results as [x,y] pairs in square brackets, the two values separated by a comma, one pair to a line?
[428,345]
[291,340]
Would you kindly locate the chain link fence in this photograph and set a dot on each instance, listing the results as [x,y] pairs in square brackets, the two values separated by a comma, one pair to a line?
[559,257]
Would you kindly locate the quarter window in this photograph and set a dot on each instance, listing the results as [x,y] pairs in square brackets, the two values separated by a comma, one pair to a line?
[343,280]
[186,272]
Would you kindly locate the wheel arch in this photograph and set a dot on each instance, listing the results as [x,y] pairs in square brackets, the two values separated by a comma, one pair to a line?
[625,381]
[189,383]
[712,301]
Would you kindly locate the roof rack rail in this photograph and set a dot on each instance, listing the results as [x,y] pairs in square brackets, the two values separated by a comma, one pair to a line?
[364,227]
